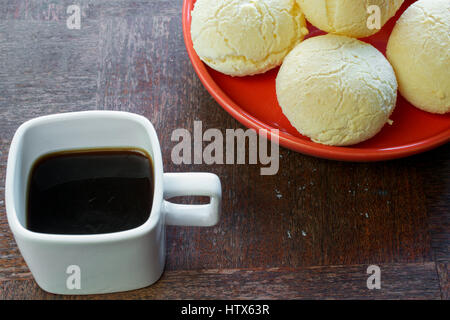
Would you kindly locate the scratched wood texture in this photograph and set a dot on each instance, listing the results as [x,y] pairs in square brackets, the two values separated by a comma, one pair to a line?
[308,232]
[414,280]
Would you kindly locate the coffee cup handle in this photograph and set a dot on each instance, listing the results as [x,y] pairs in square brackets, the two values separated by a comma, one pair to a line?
[192,184]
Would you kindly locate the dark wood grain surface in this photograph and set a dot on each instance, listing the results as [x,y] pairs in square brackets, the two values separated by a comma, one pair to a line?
[308,232]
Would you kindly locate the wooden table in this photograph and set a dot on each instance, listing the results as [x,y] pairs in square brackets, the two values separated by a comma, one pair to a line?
[310,231]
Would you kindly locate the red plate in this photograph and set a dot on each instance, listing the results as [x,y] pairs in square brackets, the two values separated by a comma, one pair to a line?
[252,101]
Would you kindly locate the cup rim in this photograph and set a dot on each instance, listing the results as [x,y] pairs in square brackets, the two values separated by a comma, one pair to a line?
[155,214]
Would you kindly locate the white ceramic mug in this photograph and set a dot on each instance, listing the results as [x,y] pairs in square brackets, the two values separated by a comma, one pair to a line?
[101,263]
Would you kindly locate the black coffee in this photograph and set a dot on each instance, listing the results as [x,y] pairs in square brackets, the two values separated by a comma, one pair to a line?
[90,192]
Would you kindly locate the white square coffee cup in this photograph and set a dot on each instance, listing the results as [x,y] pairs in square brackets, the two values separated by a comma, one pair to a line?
[112,262]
